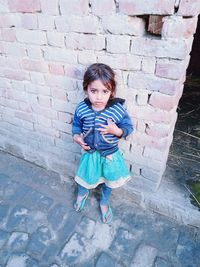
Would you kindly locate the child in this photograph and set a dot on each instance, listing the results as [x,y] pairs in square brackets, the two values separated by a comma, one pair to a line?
[99,123]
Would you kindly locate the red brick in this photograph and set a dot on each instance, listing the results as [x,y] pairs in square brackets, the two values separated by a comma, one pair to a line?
[189,7]
[34,65]
[8,35]
[165,102]
[178,27]
[122,24]
[160,130]
[172,69]
[135,7]
[155,24]
[103,7]
[75,72]
[56,69]
[149,113]
[29,21]
[161,48]
[29,6]
[139,80]
[146,140]
[59,94]
[75,7]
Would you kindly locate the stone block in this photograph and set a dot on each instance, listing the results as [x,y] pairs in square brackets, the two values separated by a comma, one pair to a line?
[87,227]
[39,241]
[144,256]
[17,219]
[36,199]
[124,245]
[105,260]
[57,216]
[17,242]
[133,7]
[3,238]
[21,259]
[122,24]
[26,6]
[162,263]
[4,208]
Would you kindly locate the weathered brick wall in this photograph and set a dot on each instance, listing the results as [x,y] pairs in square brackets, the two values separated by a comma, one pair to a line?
[45,47]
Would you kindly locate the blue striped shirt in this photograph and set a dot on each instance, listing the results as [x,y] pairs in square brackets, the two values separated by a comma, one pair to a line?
[86,121]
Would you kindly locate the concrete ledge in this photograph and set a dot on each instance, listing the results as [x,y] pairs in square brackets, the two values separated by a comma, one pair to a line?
[171,199]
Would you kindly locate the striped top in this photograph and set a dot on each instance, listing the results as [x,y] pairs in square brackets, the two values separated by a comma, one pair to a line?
[86,121]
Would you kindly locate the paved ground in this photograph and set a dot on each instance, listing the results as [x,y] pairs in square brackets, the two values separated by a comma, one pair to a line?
[38,227]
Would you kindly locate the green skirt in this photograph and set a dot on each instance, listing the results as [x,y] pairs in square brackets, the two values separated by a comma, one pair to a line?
[95,169]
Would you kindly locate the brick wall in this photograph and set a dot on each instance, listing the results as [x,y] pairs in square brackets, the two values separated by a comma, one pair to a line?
[45,47]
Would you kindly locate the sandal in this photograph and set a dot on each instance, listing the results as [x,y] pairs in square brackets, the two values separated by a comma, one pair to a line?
[79,206]
[107,216]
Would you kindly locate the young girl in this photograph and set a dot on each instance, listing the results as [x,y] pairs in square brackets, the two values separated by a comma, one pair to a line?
[99,123]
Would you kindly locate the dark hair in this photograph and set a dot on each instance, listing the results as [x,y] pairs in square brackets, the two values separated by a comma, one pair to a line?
[100,71]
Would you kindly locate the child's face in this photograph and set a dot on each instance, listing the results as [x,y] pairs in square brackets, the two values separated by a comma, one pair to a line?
[98,94]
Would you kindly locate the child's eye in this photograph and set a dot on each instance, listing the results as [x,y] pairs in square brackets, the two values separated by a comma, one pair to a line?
[105,91]
[93,91]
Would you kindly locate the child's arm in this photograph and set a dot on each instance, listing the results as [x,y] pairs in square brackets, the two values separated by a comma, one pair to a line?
[126,125]
[77,132]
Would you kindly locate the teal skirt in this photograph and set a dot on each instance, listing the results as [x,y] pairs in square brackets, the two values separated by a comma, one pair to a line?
[95,169]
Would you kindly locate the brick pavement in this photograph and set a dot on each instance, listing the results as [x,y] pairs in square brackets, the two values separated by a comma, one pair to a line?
[39,228]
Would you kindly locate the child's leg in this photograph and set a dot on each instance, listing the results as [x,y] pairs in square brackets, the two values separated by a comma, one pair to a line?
[82,191]
[104,204]
[105,194]
[81,197]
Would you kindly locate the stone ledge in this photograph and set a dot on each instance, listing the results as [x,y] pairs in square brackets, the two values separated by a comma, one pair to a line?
[171,200]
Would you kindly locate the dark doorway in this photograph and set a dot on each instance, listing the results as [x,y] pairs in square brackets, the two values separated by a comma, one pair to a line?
[184,156]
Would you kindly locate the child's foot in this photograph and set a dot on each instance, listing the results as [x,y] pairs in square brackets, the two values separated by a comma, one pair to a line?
[80,202]
[106,213]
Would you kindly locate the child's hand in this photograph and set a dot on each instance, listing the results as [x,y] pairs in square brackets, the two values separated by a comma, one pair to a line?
[78,138]
[111,128]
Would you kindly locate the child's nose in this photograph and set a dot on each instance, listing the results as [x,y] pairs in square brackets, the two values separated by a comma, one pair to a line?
[99,96]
